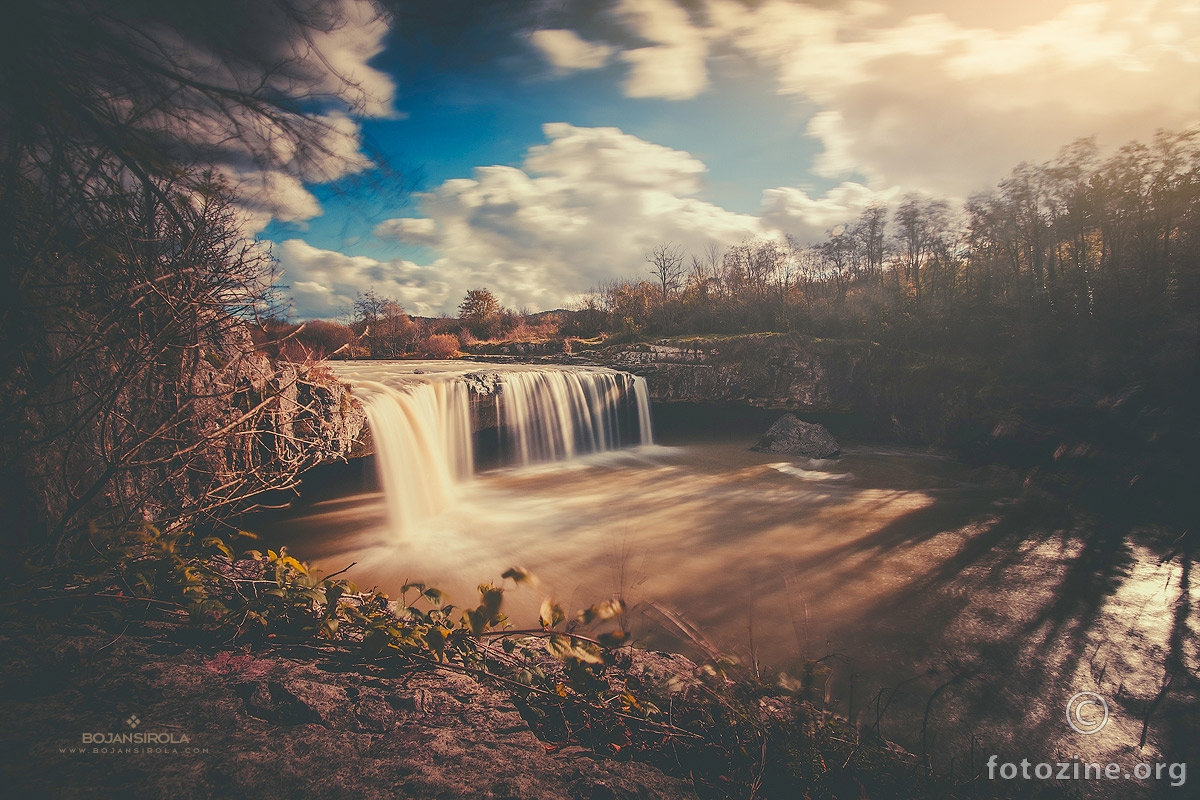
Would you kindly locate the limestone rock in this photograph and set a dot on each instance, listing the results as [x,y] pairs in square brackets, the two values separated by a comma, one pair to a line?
[484,384]
[792,436]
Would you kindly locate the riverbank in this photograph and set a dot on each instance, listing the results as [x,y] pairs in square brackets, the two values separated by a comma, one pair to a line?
[153,713]
[262,723]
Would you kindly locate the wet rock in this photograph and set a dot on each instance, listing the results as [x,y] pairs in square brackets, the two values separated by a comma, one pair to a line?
[794,437]
[485,384]
[374,713]
[273,702]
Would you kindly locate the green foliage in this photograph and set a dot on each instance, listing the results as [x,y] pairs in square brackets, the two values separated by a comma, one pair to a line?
[273,599]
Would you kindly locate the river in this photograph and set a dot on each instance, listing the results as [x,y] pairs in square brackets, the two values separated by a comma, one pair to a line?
[956,612]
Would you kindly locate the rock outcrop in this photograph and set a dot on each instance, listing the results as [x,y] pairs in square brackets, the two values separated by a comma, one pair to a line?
[898,394]
[769,370]
[267,726]
[794,437]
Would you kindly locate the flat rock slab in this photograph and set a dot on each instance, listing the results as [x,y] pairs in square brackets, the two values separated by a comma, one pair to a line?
[792,436]
[273,727]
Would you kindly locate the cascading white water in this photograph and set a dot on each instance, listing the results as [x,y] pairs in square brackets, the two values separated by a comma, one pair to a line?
[549,415]
[423,447]
[420,415]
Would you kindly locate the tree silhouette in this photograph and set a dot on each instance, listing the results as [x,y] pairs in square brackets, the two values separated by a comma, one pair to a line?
[131,388]
[666,265]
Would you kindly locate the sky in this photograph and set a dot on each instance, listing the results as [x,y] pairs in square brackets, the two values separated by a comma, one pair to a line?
[540,148]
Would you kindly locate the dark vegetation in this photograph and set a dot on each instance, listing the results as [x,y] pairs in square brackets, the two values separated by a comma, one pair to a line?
[130,386]
[1069,294]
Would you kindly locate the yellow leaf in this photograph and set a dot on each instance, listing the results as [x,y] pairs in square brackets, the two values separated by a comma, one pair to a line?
[551,613]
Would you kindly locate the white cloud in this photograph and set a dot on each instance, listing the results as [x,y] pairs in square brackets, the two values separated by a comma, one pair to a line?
[795,211]
[938,95]
[584,207]
[411,230]
[325,284]
[339,57]
[674,66]
[566,51]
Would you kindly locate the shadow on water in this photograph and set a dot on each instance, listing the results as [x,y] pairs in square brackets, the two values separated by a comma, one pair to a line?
[1037,604]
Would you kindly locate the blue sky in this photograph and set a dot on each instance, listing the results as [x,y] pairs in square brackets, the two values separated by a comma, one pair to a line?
[551,144]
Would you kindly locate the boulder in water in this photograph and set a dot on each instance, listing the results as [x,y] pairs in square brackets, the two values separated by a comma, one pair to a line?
[795,437]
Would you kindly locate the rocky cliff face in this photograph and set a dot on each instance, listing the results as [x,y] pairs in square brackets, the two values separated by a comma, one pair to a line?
[901,395]
[769,370]
[336,419]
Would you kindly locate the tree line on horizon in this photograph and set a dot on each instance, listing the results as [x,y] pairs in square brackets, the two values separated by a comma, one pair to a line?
[1085,263]
[377,326]
[1083,257]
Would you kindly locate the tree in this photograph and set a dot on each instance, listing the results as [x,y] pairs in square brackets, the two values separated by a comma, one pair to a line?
[870,232]
[666,264]
[135,392]
[838,253]
[131,389]
[479,305]
[388,332]
[921,222]
[370,307]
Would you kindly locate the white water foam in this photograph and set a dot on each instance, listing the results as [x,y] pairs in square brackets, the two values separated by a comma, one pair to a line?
[420,418]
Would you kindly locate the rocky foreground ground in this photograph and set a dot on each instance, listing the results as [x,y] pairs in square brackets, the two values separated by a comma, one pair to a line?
[87,715]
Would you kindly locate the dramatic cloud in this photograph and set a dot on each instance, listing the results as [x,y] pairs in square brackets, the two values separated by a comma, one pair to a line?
[325,284]
[674,66]
[566,51]
[934,94]
[339,59]
[227,94]
[583,208]
[928,102]
[330,63]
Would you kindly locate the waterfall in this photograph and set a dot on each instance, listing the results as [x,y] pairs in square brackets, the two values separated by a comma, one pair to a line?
[423,447]
[423,421]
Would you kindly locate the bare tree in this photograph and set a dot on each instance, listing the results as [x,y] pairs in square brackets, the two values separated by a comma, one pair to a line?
[140,393]
[838,253]
[921,222]
[870,232]
[666,265]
